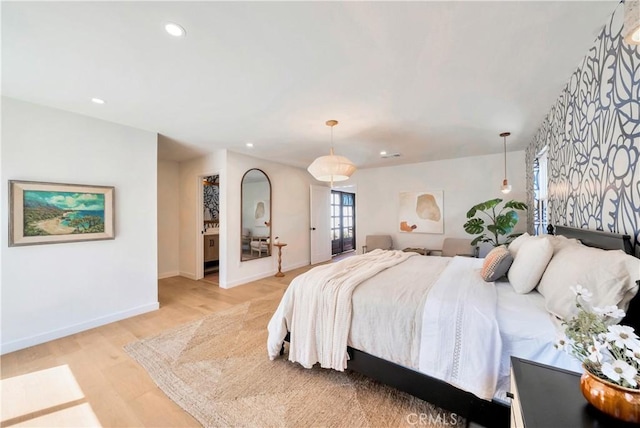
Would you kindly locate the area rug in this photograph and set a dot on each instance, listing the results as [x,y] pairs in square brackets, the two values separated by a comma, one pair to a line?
[217,370]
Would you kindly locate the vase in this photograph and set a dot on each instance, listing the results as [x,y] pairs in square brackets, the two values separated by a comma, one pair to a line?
[614,400]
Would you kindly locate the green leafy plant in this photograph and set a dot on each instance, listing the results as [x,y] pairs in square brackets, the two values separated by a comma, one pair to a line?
[501,222]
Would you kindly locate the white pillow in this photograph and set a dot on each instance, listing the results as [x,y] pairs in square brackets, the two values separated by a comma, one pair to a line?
[531,260]
[515,245]
[609,275]
[557,241]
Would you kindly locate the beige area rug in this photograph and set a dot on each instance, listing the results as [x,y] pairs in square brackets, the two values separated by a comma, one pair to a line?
[217,369]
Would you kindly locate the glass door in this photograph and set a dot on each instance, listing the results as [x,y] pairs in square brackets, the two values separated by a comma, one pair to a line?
[343,216]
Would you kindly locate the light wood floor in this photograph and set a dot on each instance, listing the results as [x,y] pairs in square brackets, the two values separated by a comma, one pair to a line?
[39,383]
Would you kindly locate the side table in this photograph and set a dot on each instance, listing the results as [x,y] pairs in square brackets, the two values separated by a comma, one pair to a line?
[280,245]
[545,396]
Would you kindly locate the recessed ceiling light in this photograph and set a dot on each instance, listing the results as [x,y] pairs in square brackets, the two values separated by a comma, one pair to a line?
[382,153]
[97,100]
[174,29]
[250,145]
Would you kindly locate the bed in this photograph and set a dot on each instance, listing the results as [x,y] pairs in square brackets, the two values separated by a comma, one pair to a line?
[524,328]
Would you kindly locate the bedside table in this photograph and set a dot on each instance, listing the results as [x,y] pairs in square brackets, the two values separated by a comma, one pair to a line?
[545,397]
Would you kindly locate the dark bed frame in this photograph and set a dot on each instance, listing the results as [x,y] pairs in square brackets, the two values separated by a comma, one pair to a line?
[439,393]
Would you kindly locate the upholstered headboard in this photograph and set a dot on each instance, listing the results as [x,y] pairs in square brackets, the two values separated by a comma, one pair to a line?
[606,241]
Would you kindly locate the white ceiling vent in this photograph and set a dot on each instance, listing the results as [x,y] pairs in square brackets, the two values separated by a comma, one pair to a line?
[390,155]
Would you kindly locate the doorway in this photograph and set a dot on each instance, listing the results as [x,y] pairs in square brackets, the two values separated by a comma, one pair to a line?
[343,225]
[210,228]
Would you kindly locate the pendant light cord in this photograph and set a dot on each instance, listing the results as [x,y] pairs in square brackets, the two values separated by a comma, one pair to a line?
[331,183]
[332,140]
[506,188]
[331,124]
[505,157]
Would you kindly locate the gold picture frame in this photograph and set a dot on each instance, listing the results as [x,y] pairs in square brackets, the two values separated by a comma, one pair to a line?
[53,213]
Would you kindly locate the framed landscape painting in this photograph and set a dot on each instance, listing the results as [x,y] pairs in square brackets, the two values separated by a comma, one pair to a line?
[49,213]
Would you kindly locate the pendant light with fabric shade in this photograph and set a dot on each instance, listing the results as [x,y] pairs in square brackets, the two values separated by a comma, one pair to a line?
[332,167]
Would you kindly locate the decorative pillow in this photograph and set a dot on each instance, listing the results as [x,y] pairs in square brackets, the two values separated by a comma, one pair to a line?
[529,264]
[609,275]
[496,264]
[515,245]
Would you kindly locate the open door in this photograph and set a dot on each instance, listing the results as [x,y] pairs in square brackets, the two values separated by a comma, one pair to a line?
[320,216]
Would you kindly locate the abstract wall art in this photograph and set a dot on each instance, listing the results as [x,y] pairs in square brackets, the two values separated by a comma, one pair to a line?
[421,212]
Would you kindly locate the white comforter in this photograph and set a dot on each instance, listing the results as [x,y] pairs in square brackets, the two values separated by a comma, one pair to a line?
[390,308]
[316,309]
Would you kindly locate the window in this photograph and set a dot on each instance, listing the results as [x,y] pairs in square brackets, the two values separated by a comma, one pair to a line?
[540,193]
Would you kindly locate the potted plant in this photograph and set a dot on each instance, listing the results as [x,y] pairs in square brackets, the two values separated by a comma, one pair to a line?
[610,356]
[501,222]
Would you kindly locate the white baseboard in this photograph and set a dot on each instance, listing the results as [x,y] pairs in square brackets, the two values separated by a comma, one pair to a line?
[258,276]
[246,279]
[168,274]
[188,275]
[76,328]
[295,266]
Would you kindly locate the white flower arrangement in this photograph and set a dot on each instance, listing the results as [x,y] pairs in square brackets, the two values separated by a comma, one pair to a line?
[610,352]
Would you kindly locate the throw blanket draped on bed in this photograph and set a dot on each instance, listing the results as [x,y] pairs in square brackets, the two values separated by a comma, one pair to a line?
[316,309]
[460,340]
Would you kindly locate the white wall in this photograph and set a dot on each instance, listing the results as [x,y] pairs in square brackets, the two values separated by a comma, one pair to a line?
[465,181]
[289,218]
[168,219]
[290,215]
[191,207]
[49,291]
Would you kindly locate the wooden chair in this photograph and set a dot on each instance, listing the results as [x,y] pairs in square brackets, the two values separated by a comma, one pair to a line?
[246,240]
[260,245]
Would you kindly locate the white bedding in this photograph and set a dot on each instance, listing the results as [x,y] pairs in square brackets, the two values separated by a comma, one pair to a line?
[391,304]
[527,331]
[317,309]
[460,341]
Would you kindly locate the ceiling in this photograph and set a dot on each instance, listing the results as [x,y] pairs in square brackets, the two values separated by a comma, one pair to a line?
[428,80]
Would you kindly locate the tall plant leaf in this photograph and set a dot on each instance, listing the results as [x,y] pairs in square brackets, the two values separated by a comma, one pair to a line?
[506,222]
[496,229]
[483,206]
[516,205]
[481,238]
[500,225]
[474,226]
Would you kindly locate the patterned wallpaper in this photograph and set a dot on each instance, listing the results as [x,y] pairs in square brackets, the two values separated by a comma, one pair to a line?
[211,200]
[593,134]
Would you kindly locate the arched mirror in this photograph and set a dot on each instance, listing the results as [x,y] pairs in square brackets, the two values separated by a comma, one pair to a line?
[256,215]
